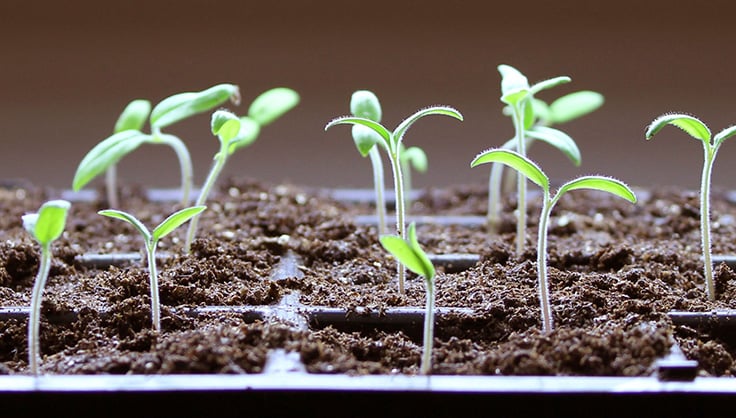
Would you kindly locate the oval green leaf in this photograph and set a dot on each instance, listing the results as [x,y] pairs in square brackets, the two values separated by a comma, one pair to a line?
[693,126]
[249,130]
[409,253]
[574,105]
[515,161]
[559,140]
[175,220]
[124,216]
[105,154]
[417,158]
[134,116]
[601,183]
[364,138]
[183,105]
[272,104]
[365,104]
[48,225]
[398,134]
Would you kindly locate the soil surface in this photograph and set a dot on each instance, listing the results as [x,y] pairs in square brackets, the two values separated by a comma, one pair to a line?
[615,269]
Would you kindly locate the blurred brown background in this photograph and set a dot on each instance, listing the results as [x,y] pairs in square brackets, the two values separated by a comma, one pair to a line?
[68,69]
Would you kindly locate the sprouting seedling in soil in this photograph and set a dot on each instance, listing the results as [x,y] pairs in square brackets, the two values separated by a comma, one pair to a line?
[532,171]
[128,135]
[235,133]
[517,94]
[562,110]
[46,226]
[408,252]
[151,239]
[416,158]
[365,104]
[391,142]
[698,130]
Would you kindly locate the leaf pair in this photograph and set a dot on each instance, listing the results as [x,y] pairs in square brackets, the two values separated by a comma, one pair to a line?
[164,228]
[47,224]
[409,253]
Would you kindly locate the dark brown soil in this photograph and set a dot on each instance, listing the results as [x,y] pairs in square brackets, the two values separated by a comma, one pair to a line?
[616,270]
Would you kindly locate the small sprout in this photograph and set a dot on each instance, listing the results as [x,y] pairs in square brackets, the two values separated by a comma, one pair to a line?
[391,142]
[365,104]
[46,226]
[235,133]
[532,171]
[698,130]
[128,136]
[151,240]
[518,95]
[562,110]
[411,255]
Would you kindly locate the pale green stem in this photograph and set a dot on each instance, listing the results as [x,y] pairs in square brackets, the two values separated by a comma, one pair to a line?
[400,214]
[710,154]
[521,194]
[217,166]
[406,173]
[377,165]
[34,319]
[426,366]
[153,276]
[185,163]
[111,186]
[494,198]
[542,263]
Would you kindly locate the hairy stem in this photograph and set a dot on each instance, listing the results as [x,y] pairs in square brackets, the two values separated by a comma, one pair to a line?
[34,319]
[400,215]
[543,284]
[377,165]
[426,366]
[153,278]
[710,154]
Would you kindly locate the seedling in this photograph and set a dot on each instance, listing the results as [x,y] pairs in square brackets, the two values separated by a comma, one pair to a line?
[532,171]
[517,94]
[365,104]
[151,240]
[698,130]
[128,135]
[46,226]
[391,142]
[235,133]
[562,110]
[416,158]
[408,252]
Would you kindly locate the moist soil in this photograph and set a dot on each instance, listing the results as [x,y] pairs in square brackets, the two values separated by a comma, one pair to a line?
[616,271]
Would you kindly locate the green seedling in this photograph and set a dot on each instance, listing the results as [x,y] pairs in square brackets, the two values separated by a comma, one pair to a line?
[391,142]
[365,104]
[416,158]
[408,252]
[46,226]
[235,133]
[532,171]
[698,130]
[128,136]
[151,239]
[562,110]
[517,94]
